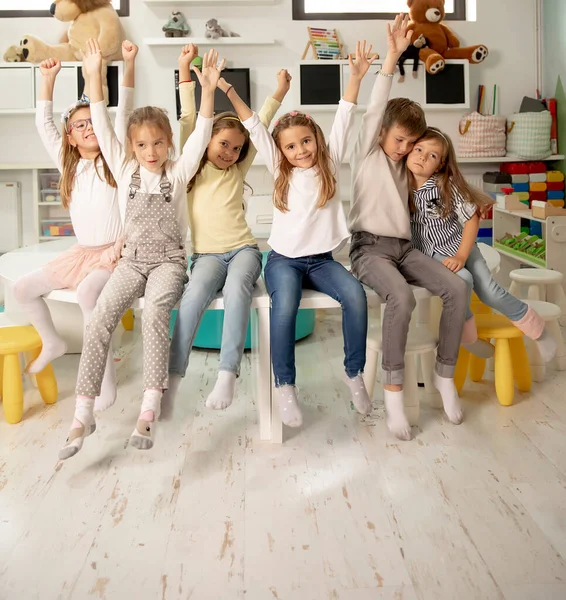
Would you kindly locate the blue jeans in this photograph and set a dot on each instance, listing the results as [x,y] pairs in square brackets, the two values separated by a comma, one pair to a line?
[478,279]
[285,279]
[235,273]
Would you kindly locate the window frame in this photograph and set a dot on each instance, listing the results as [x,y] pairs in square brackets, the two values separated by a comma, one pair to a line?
[299,14]
[123,11]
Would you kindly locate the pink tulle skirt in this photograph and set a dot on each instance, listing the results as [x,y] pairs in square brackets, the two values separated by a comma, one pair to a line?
[69,269]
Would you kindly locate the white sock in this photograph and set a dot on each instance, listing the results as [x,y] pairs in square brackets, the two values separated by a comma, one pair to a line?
[144,431]
[546,346]
[288,406]
[480,348]
[450,398]
[53,347]
[396,418]
[83,425]
[169,395]
[360,397]
[108,389]
[223,393]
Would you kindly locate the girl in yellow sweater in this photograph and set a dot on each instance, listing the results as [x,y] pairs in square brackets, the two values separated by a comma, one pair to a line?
[225,253]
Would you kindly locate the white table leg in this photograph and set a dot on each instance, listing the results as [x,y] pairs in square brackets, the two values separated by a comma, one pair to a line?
[410,398]
[560,358]
[515,289]
[432,395]
[261,351]
[556,296]
[538,367]
[534,292]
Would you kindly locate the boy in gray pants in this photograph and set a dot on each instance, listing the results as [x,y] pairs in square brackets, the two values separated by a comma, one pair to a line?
[381,252]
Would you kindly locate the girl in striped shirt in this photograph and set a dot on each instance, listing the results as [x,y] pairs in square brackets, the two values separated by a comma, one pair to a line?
[444,225]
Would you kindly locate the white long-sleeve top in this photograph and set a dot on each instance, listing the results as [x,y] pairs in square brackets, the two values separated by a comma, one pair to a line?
[178,172]
[305,229]
[94,208]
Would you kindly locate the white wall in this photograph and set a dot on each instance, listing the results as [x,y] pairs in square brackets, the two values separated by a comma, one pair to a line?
[505,26]
[554,44]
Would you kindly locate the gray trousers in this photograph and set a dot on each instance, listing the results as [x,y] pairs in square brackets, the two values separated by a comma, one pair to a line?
[162,285]
[389,266]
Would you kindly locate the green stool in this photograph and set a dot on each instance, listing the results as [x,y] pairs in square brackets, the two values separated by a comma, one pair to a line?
[209,333]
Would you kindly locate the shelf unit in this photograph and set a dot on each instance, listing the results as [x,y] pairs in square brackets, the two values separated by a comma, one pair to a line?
[505,159]
[553,231]
[211,2]
[202,41]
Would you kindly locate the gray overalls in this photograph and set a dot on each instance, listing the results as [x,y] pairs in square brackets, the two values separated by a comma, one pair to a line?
[153,265]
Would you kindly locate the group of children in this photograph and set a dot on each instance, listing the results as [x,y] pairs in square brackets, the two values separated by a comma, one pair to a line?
[413,221]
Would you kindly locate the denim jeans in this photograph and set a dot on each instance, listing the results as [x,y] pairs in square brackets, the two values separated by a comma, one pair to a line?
[478,279]
[285,279]
[235,273]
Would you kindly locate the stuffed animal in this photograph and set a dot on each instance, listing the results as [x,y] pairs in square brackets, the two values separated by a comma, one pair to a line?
[87,19]
[176,26]
[213,31]
[426,17]
[412,52]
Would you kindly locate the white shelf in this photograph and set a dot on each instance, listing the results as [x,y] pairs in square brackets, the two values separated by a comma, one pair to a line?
[521,259]
[211,2]
[504,159]
[523,214]
[50,204]
[201,41]
[43,238]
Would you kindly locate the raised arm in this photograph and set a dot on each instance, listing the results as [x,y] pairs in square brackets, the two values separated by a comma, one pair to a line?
[197,142]
[398,41]
[342,126]
[187,92]
[263,142]
[46,127]
[110,147]
[126,97]
[266,113]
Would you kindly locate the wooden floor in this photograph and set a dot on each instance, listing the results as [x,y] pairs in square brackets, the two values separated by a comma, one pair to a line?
[341,511]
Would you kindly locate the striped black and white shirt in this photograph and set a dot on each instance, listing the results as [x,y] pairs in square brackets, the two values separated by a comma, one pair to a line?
[432,233]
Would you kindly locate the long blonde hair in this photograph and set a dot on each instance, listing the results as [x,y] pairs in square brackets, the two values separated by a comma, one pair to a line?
[449,176]
[323,161]
[150,115]
[70,157]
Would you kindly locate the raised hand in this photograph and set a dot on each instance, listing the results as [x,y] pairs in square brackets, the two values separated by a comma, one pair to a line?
[223,85]
[129,51]
[210,74]
[284,81]
[364,59]
[92,58]
[188,54]
[398,38]
[50,67]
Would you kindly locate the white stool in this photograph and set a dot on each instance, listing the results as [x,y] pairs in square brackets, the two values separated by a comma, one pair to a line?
[420,343]
[551,314]
[544,284]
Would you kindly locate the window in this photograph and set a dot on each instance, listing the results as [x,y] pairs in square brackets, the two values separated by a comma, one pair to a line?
[312,10]
[36,8]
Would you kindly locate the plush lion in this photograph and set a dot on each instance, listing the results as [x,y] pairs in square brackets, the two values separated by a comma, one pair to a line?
[426,20]
[87,19]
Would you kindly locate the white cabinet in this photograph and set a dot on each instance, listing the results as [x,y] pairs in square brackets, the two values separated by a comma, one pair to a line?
[66,88]
[17,88]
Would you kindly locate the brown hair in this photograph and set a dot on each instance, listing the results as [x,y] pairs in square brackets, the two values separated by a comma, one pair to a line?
[224,120]
[323,160]
[150,115]
[70,157]
[449,176]
[405,113]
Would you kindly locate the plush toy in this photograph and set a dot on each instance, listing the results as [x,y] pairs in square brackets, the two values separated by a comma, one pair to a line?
[412,52]
[426,17]
[176,26]
[213,31]
[87,19]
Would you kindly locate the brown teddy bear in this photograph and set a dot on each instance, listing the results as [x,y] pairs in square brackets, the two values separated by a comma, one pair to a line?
[426,20]
[87,19]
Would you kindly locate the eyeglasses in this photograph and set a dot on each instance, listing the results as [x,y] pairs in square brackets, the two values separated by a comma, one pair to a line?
[79,125]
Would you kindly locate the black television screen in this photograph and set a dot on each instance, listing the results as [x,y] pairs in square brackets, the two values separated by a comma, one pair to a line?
[239,78]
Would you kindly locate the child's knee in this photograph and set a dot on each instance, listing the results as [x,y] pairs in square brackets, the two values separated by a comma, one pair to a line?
[402,300]
[21,292]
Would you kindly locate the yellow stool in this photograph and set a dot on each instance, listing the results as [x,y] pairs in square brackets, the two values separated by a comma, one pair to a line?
[12,341]
[511,360]
[128,320]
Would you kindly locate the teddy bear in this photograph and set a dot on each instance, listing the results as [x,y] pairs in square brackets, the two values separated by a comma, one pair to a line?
[426,19]
[176,26]
[87,19]
[412,52]
[213,31]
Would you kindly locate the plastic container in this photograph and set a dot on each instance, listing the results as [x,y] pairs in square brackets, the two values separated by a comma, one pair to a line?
[49,180]
[50,196]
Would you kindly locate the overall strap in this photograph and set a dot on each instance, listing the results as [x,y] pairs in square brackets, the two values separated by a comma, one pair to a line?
[165,187]
[135,183]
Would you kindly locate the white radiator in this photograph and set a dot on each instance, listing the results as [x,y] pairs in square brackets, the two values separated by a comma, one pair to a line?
[10,217]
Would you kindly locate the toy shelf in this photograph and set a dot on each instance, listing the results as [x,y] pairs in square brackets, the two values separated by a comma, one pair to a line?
[506,159]
[202,41]
[553,232]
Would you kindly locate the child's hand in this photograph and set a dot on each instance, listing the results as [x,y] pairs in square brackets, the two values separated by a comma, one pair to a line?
[188,54]
[483,211]
[398,38]
[454,263]
[364,59]
[50,67]
[129,51]
[92,58]
[211,70]
[283,81]
[223,85]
